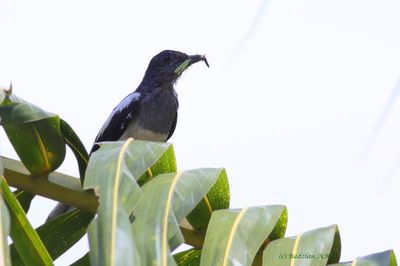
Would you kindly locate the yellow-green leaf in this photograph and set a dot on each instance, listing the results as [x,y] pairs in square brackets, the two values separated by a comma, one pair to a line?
[234,236]
[165,164]
[27,242]
[112,172]
[217,198]
[34,134]
[59,234]
[166,201]
[4,230]
[316,247]
[189,257]
[385,258]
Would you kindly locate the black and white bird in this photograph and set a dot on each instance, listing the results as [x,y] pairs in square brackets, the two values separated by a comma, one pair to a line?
[151,111]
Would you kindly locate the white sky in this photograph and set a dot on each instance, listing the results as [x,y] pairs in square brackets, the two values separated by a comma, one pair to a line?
[288,105]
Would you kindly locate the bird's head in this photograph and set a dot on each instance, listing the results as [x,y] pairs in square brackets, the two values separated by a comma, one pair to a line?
[167,66]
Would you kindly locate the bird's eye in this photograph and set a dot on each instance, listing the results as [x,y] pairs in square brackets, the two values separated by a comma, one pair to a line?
[166,58]
[180,58]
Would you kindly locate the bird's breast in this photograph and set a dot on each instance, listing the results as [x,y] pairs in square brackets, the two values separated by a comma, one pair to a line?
[155,117]
[136,131]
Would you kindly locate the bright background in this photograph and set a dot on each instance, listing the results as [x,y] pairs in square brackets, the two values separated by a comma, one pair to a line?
[300,103]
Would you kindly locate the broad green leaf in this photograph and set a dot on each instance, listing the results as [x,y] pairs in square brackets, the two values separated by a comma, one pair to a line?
[63,232]
[26,240]
[112,172]
[24,198]
[60,233]
[4,230]
[38,145]
[110,234]
[234,236]
[166,164]
[77,147]
[189,257]
[83,261]
[217,198]
[95,246]
[166,201]
[34,134]
[112,244]
[17,110]
[316,247]
[279,229]
[385,258]
[127,161]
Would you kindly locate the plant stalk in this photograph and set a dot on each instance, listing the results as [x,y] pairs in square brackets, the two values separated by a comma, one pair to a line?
[59,187]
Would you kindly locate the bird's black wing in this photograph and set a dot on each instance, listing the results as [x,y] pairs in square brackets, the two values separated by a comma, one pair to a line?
[119,119]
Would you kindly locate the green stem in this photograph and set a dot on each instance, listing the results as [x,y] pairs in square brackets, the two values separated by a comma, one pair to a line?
[192,236]
[59,187]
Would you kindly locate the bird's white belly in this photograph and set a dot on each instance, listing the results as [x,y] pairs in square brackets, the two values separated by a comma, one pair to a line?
[137,132]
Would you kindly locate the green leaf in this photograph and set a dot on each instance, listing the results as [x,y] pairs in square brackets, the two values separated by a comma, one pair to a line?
[26,240]
[217,198]
[385,258]
[77,147]
[316,247]
[112,244]
[166,201]
[166,164]
[127,161]
[189,257]
[4,230]
[83,261]
[112,172]
[34,134]
[182,67]
[18,111]
[234,236]
[60,233]
[24,198]
[280,227]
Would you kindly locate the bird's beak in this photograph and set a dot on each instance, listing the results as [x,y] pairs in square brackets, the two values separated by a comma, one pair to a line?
[198,58]
[191,60]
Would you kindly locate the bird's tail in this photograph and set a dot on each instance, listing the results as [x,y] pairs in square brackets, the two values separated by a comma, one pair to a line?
[60,208]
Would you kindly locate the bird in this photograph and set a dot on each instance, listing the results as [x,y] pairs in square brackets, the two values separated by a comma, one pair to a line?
[151,111]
